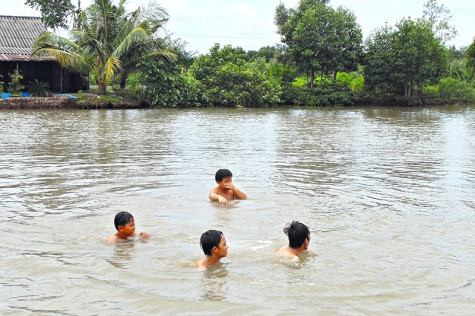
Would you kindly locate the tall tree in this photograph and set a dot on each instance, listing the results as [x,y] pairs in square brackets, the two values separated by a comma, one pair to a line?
[319,38]
[470,55]
[107,39]
[439,18]
[403,59]
[54,13]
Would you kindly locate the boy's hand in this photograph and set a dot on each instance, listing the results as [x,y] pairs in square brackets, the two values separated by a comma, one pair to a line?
[222,200]
[143,235]
[229,186]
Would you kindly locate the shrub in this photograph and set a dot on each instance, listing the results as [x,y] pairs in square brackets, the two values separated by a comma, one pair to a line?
[324,95]
[39,88]
[108,98]
[457,90]
[15,85]
[354,80]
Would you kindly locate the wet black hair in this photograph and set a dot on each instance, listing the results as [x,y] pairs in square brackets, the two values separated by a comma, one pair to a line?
[297,233]
[221,174]
[209,240]
[122,219]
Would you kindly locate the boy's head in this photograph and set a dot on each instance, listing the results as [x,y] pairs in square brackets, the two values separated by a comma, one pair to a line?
[124,223]
[213,241]
[299,235]
[221,174]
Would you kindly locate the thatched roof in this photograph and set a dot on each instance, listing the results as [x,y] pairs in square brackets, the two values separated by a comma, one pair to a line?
[17,36]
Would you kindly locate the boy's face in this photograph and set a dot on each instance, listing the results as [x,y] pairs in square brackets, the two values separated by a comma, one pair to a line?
[222,250]
[128,229]
[224,184]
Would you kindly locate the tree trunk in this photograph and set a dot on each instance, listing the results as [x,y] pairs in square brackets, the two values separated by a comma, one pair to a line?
[312,79]
[102,88]
[123,79]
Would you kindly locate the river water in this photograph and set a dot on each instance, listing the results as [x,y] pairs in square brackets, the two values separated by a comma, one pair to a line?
[388,194]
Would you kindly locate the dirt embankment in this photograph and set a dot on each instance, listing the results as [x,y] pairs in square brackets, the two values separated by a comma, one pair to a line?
[64,102]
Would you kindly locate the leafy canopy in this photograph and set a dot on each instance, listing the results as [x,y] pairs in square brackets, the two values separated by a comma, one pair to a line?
[54,13]
[320,38]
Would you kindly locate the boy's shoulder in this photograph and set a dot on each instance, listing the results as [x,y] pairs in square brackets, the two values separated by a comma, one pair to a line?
[111,238]
[215,189]
[285,252]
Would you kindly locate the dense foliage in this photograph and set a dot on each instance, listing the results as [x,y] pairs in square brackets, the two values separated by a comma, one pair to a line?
[54,13]
[320,38]
[229,80]
[171,84]
[401,60]
[470,54]
[321,61]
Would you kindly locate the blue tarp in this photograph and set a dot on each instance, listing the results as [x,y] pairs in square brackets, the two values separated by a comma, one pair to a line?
[67,95]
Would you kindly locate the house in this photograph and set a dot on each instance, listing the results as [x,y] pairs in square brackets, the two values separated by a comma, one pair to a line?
[17,37]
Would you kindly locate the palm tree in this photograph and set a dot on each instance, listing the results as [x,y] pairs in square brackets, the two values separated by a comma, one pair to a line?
[107,38]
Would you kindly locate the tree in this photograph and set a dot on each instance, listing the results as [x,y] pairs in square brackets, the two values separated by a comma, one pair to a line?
[439,17]
[470,55]
[319,38]
[107,39]
[401,60]
[379,61]
[231,81]
[54,13]
[171,84]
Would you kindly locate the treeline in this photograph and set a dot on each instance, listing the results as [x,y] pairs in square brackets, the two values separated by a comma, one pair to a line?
[323,61]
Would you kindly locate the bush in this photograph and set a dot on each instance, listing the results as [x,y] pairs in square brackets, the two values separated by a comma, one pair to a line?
[324,95]
[133,80]
[39,88]
[456,90]
[130,93]
[229,80]
[15,85]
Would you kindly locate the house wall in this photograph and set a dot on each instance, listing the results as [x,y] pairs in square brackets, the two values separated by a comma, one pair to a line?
[60,79]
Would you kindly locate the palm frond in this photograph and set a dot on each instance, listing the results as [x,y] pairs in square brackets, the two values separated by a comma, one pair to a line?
[110,68]
[153,12]
[136,35]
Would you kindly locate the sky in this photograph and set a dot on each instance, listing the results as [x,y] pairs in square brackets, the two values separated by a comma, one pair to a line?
[250,23]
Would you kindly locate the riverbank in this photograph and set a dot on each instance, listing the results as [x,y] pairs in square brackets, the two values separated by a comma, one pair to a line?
[65,102]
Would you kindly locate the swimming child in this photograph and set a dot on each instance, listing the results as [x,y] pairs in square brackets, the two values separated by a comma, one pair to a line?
[214,247]
[225,189]
[299,238]
[125,224]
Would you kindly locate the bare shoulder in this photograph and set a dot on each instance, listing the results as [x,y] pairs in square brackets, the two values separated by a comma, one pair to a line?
[285,252]
[201,264]
[112,238]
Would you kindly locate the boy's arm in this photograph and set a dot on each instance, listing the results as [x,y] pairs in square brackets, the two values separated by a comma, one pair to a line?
[238,194]
[213,196]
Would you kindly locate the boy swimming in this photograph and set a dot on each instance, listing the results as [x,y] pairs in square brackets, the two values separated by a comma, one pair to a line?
[125,224]
[299,238]
[214,247]
[225,189]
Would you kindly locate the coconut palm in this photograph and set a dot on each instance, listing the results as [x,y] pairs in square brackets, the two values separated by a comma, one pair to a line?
[107,38]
